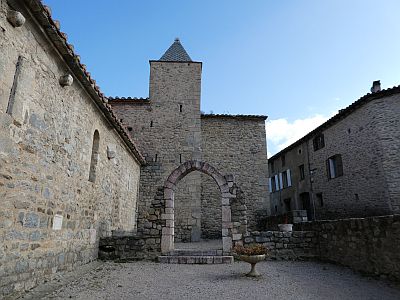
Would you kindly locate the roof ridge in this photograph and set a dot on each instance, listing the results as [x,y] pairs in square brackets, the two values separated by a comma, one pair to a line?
[235,116]
[127,98]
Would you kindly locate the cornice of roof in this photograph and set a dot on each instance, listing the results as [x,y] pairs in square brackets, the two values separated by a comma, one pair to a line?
[341,115]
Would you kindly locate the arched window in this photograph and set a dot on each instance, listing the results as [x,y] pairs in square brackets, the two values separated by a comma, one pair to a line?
[95,156]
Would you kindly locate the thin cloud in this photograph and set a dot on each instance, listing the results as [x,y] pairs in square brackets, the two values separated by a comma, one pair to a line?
[281,133]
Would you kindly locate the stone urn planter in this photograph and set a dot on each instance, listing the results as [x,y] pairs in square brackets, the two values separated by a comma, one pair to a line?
[285,227]
[253,260]
[251,254]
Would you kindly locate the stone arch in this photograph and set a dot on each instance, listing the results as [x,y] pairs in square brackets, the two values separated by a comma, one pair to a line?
[232,232]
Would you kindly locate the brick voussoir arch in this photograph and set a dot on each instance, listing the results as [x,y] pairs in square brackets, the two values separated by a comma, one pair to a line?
[228,193]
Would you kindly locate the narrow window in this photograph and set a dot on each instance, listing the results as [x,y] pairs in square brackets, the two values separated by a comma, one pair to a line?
[288,178]
[273,184]
[180,107]
[357,197]
[155,158]
[151,123]
[180,158]
[301,172]
[280,181]
[276,209]
[320,199]
[283,159]
[284,180]
[276,182]
[334,166]
[287,204]
[319,142]
[95,156]
[11,100]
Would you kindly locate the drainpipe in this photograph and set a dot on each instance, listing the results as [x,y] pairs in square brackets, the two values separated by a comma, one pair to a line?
[311,182]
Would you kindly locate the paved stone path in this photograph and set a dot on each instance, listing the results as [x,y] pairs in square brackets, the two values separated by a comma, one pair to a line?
[281,280]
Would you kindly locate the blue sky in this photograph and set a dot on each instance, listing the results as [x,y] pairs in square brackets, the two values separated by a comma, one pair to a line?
[296,61]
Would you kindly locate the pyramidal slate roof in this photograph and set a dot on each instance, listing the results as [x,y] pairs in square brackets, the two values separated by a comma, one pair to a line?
[176,53]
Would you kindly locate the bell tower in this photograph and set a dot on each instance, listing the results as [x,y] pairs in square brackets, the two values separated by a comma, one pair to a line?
[175,85]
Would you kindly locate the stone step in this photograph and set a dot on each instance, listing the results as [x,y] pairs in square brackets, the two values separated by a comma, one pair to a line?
[193,252]
[219,259]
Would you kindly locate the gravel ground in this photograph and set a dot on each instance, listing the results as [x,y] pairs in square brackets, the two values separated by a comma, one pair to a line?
[280,280]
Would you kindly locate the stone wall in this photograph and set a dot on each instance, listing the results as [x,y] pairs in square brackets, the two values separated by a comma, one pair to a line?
[145,244]
[387,131]
[51,215]
[368,245]
[211,212]
[295,245]
[237,146]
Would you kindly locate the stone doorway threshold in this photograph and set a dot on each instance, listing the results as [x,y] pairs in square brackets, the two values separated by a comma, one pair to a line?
[203,252]
[202,245]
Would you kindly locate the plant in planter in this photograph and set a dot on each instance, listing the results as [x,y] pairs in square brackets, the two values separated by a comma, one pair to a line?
[251,254]
[285,226]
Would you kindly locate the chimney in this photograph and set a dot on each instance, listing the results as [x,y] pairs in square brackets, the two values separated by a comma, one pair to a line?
[376,86]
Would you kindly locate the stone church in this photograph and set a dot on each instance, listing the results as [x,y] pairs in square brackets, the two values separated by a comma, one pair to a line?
[77,167]
[169,129]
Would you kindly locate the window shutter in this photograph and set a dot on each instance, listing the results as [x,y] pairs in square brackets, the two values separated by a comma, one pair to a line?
[328,170]
[280,181]
[339,165]
[289,179]
[270,184]
[332,167]
[276,183]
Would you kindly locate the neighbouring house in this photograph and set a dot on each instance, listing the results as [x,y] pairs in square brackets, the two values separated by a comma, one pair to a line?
[347,167]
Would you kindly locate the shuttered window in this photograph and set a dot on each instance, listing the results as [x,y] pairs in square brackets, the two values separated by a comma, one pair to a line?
[286,179]
[334,166]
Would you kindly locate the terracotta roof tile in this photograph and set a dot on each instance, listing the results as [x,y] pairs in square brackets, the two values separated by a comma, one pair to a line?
[128,100]
[234,116]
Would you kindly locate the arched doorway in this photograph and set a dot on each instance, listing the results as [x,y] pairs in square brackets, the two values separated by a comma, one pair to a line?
[232,229]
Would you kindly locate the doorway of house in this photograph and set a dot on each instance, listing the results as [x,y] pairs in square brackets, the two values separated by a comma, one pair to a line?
[306,204]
